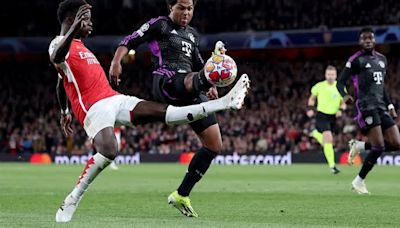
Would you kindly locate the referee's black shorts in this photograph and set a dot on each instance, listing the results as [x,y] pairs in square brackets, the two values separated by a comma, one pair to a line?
[325,122]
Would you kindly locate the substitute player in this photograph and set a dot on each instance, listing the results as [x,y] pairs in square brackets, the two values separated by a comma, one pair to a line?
[375,112]
[329,106]
[176,59]
[98,108]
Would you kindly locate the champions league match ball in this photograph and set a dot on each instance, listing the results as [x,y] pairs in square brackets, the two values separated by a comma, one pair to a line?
[220,70]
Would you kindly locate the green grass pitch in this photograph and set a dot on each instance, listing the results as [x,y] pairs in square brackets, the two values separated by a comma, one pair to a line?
[228,196]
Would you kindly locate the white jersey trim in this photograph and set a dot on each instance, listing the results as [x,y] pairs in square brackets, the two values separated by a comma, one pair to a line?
[71,78]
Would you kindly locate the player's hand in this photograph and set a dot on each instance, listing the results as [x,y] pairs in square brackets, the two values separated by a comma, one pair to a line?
[79,21]
[393,113]
[212,93]
[219,48]
[115,72]
[310,113]
[348,99]
[339,114]
[65,122]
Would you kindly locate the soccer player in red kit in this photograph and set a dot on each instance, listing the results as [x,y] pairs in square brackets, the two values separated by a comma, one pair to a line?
[98,107]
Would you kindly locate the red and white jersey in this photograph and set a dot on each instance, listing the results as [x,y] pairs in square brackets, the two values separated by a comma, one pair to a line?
[85,81]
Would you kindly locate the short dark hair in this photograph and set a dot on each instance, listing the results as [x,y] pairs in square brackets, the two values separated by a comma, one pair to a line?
[173,2]
[366,29]
[330,67]
[68,8]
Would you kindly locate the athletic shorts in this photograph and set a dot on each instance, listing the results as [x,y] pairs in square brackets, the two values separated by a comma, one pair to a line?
[171,90]
[369,119]
[325,122]
[109,112]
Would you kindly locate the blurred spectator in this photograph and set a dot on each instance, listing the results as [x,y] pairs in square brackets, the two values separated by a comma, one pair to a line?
[274,120]
[118,17]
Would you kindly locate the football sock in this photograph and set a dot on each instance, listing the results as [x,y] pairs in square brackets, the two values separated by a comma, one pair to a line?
[370,160]
[197,168]
[367,146]
[329,154]
[362,146]
[191,113]
[93,167]
[317,135]
[200,82]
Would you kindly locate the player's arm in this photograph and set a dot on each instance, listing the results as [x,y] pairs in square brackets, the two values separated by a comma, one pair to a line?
[147,32]
[342,108]
[345,75]
[61,49]
[386,97]
[312,100]
[198,61]
[389,104]
[66,117]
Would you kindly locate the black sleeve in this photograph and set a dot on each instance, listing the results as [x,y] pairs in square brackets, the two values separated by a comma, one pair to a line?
[148,31]
[349,69]
[198,62]
[386,96]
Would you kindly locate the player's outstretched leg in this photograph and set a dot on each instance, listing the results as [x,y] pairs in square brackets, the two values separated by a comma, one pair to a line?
[234,100]
[106,145]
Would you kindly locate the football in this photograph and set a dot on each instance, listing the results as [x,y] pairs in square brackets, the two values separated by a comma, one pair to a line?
[220,70]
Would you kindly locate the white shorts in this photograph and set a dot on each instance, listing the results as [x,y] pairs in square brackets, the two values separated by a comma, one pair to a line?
[109,112]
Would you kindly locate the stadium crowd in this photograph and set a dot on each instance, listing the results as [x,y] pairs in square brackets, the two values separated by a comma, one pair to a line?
[29,113]
[117,17]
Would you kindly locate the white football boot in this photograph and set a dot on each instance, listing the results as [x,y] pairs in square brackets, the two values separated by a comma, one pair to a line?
[67,209]
[235,98]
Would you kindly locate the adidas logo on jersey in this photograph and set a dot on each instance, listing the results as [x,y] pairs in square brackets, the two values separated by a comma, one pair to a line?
[368,65]
[174,32]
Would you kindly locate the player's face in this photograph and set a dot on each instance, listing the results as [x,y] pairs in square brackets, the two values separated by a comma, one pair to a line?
[330,75]
[182,12]
[367,40]
[87,26]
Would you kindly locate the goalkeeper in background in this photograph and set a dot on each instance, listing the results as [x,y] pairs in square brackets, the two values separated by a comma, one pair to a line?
[329,106]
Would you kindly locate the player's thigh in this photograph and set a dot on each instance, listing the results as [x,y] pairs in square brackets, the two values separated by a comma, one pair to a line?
[375,136]
[390,131]
[101,115]
[133,110]
[177,89]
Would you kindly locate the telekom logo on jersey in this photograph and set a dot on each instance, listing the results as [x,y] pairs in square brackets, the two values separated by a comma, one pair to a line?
[90,58]
[378,77]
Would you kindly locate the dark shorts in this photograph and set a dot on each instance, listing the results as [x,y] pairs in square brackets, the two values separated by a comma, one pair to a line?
[369,119]
[171,90]
[325,122]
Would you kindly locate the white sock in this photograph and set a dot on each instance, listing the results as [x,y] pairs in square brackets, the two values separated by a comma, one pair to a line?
[93,167]
[360,145]
[191,113]
[358,179]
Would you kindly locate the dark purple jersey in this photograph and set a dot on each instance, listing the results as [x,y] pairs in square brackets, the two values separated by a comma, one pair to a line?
[367,70]
[173,47]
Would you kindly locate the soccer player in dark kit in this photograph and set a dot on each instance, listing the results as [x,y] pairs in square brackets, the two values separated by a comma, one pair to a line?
[375,112]
[179,79]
